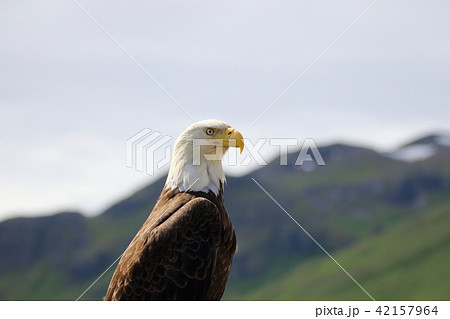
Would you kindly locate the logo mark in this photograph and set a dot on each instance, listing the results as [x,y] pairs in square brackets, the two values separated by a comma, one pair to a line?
[142,150]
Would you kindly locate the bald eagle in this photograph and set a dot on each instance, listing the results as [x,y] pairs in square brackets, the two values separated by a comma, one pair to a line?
[184,250]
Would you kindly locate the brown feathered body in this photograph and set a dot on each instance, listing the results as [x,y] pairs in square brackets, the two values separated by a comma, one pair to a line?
[183,251]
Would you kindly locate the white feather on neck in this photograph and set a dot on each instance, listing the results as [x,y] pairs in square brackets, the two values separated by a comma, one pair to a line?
[184,175]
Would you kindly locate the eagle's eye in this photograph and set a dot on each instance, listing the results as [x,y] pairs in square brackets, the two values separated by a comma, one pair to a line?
[209,131]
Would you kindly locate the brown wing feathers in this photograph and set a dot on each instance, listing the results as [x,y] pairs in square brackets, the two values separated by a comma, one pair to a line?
[182,252]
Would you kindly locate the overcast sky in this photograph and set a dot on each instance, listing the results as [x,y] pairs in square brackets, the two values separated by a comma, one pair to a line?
[70,97]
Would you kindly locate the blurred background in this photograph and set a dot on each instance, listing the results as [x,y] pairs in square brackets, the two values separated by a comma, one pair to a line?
[376,104]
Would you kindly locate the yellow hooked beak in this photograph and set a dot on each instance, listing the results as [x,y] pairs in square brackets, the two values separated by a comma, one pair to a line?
[233,138]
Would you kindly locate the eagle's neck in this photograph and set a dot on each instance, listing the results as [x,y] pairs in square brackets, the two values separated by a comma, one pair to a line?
[208,176]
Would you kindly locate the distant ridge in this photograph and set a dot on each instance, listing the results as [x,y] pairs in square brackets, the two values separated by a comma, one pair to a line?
[442,139]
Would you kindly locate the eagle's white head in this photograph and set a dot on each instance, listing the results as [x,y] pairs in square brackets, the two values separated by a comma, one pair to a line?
[197,156]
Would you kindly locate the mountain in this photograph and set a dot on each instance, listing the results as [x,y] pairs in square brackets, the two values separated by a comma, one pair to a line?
[407,262]
[361,206]
[432,139]
[422,148]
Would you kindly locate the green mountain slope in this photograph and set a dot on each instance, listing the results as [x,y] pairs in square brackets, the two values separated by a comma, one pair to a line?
[410,261]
